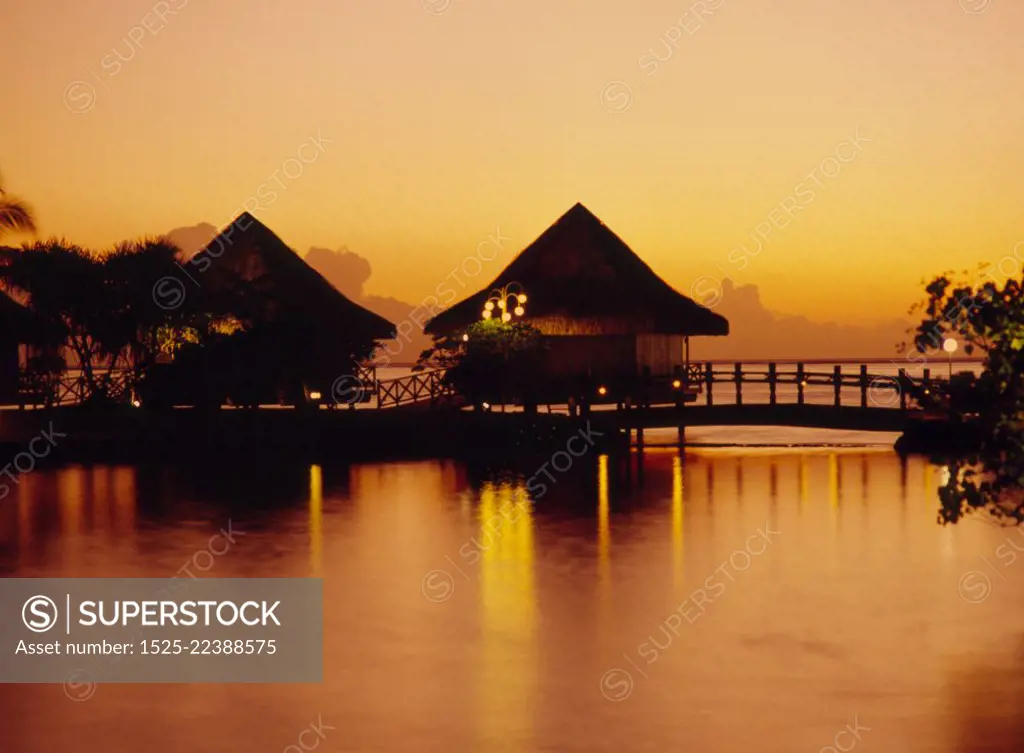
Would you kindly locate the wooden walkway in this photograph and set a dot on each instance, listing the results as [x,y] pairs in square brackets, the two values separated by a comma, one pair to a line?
[799,394]
[423,389]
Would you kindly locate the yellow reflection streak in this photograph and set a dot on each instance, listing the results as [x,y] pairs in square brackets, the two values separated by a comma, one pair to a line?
[125,499]
[70,492]
[507,678]
[677,520]
[24,517]
[316,520]
[603,530]
[71,498]
[99,479]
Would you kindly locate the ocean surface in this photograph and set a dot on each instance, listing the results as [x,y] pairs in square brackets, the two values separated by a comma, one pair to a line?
[782,598]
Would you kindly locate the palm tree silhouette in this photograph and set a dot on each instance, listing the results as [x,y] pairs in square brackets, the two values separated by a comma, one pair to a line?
[15,215]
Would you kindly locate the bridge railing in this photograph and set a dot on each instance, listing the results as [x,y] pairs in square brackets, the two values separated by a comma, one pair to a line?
[39,389]
[844,386]
[419,387]
[869,389]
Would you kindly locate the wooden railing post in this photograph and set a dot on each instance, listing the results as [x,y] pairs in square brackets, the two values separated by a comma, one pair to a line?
[772,383]
[739,383]
[901,387]
[709,379]
[863,385]
[837,380]
[799,384]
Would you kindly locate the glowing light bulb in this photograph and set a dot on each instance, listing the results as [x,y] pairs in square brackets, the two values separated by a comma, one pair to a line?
[487,314]
[521,297]
[506,317]
[520,311]
[489,306]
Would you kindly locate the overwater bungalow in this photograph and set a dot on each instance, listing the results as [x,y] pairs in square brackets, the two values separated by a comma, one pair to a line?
[288,288]
[604,314]
[305,333]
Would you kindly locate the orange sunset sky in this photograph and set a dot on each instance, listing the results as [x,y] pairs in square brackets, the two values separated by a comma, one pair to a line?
[681,124]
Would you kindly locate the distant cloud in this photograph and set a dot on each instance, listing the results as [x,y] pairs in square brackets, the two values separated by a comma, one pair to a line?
[757,332]
[347,271]
[192,239]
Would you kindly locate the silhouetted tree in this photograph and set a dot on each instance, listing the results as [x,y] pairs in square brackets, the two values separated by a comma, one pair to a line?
[988,319]
[497,362]
[139,329]
[63,284]
[15,215]
[102,308]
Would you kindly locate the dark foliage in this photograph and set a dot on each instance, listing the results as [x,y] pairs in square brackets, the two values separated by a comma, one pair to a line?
[988,319]
[496,362]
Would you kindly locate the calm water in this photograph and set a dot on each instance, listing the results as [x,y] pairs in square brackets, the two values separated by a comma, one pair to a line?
[815,588]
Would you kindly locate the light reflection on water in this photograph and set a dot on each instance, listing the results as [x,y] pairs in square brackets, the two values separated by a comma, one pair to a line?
[852,612]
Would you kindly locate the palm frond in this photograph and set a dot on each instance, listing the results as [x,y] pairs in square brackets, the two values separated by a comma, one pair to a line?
[16,216]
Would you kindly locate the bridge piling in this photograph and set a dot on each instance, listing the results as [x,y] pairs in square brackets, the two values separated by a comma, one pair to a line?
[837,383]
[864,385]
[800,384]
[773,379]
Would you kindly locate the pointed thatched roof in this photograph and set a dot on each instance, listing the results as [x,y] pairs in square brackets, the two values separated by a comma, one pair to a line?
[579,270]
[248,250]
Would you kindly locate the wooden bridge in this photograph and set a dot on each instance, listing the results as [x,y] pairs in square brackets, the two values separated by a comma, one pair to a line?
[799,394]
[424,389]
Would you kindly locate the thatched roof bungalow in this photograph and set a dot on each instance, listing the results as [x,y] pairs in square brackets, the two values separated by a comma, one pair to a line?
[603,310]
[304,333]
[249,251]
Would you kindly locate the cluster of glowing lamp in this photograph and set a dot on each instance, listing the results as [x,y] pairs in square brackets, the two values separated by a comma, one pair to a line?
[501,302]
